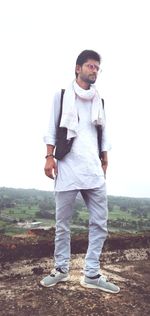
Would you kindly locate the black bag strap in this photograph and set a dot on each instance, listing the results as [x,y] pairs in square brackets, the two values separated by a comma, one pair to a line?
[61,105]
[99,134]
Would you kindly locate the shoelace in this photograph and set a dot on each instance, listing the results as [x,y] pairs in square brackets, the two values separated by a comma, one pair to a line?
[103,278]
[54,273]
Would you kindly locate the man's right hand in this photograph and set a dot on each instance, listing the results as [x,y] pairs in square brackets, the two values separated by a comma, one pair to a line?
[50,167]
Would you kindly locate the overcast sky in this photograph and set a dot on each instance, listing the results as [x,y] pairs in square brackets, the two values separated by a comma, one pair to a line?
[40,41]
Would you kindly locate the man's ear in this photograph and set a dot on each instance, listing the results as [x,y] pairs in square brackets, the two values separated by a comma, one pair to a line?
[77,69]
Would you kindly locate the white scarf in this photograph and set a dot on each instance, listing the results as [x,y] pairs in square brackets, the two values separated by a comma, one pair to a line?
[69,117]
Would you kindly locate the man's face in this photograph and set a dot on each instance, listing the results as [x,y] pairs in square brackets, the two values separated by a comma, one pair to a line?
[88,71]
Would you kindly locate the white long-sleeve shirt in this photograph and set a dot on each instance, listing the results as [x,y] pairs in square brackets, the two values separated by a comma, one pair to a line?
[81,167]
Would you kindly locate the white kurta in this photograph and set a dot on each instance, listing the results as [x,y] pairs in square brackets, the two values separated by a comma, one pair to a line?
[81,168]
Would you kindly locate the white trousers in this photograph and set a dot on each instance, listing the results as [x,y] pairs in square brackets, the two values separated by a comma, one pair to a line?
[96,202]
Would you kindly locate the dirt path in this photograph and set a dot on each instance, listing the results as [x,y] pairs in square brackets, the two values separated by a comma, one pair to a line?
[21,294]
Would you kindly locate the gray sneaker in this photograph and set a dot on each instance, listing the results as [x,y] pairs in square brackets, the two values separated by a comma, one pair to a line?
[100,283]
[54,278]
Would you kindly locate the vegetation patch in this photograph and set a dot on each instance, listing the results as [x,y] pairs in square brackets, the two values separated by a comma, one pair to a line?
[21,209]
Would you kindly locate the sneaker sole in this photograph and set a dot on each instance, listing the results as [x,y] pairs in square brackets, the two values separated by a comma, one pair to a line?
[92,286]
[53,284]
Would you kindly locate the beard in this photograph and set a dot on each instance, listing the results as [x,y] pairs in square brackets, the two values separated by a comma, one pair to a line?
[89,79]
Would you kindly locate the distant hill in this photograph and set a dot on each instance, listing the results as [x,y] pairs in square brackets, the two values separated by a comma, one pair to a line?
[13,195]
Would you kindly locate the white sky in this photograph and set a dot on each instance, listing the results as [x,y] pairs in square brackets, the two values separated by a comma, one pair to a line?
[40,41]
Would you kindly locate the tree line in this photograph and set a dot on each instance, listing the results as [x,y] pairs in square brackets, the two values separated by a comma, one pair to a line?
[11,197]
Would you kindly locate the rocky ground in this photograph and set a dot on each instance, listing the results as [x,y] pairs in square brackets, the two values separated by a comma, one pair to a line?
[128,266]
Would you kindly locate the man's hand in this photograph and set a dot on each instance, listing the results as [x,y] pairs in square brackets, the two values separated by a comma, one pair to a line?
[104,166]
[104,161]
[50,167]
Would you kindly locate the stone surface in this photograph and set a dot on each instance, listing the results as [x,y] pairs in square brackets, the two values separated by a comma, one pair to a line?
[22,295]
[125,261]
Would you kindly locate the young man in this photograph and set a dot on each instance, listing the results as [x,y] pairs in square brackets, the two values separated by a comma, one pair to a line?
[81,170]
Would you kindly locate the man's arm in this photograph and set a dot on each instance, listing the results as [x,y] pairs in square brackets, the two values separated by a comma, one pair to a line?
[105,147]
[50,165]
[50,138]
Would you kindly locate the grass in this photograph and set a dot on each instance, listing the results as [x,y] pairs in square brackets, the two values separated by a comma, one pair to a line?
[84,215]
[118,214]
[23,212]
[113,215]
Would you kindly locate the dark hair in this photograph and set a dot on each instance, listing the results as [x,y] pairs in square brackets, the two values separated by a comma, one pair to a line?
[85,55]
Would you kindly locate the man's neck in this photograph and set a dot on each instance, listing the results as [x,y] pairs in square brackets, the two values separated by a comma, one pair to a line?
[84,85]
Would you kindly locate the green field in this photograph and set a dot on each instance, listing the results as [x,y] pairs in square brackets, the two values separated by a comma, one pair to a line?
[22,206]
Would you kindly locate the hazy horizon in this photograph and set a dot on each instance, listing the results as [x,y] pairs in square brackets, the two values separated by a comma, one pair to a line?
[52,191]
